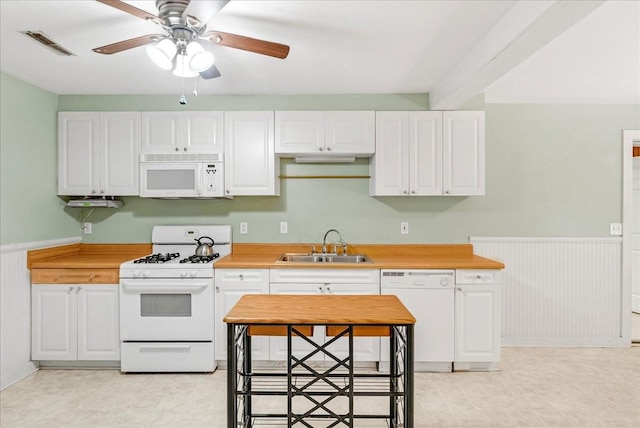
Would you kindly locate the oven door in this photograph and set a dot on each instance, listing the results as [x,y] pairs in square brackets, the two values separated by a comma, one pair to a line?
[166,309]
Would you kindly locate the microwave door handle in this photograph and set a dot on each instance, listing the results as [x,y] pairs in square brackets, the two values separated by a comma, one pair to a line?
[199,183]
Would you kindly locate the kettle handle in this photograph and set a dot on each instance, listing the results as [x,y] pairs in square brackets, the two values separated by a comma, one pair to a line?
[202,237]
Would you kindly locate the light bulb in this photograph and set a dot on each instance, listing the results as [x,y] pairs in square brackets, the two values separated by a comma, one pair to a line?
[162,53]
[199,59]
[182,67]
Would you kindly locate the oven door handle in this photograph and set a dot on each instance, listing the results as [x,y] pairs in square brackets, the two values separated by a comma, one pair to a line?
[162,288]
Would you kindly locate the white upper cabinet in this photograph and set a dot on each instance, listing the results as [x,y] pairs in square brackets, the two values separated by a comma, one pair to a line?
[182,132]
[325,133]
[463,152]
[250,162]
[410,157]
[98,153]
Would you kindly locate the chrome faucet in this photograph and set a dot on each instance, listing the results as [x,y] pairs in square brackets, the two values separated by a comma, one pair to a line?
[342,243]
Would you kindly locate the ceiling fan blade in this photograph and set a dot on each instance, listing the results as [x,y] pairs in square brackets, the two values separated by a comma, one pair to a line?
[125,7]
[210,73]
[129,44]
[204,11]
[263,47]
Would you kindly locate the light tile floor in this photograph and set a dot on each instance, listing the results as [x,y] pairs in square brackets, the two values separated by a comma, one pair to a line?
[535,387]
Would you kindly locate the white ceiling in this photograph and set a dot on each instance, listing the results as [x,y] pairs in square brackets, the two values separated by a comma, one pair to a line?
[337,47]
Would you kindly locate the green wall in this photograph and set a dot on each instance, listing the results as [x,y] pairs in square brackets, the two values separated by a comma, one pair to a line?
[552,170]
[29,208]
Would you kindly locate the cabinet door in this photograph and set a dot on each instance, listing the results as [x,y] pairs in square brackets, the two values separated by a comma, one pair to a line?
[250,164]
[98,322]
[477,322]
[161,132]
[78,151]
[425,153]
[350,132]
[364,348]
[231,285]
[299,132]
[54,322]
[463,153]
[119,153]
[278,344]
[389,165]
[203,131]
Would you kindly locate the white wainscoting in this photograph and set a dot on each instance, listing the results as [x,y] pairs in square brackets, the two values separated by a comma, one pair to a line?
[559,291]
[15,310]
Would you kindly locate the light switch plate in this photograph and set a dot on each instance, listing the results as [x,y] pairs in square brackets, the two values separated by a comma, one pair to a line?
[283,227]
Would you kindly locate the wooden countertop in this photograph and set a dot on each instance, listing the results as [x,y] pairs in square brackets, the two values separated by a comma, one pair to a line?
[85,256]
[389,256]
[264,256]
[274,309]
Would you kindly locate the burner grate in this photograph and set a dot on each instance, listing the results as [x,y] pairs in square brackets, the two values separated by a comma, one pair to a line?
[158,258]
[200,259]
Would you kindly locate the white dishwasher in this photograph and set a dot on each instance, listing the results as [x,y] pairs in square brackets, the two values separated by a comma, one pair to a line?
[429,296]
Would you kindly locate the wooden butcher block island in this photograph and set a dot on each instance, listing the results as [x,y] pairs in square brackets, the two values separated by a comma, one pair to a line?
[311,390]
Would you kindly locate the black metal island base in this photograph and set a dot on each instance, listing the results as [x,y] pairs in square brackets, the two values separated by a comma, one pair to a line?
[313,395]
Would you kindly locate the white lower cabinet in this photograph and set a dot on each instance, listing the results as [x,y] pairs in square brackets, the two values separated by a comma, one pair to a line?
[477,319]
[230,286]
[310,281]
[75,322]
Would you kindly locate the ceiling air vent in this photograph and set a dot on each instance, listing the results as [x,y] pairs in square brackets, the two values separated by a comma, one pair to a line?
[42,38]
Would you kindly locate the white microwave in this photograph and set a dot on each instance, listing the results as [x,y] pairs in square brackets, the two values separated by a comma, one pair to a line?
[181,175]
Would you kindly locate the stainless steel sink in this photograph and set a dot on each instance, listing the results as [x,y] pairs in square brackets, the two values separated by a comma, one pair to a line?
[323,258]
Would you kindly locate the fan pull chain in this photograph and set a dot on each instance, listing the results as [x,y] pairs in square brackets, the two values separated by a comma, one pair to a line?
[183,99]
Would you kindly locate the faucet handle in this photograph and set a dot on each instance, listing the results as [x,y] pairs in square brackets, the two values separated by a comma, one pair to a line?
[313,249]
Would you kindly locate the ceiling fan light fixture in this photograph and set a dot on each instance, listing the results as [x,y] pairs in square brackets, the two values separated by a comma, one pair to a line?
[199,58]
[182,68]
[162,53]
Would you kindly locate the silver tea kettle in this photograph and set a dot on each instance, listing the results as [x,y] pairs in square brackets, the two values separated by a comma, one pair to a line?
[204,249]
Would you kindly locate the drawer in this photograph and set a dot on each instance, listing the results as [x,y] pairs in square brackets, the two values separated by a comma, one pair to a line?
[242,275]
[74,276]
[478,276]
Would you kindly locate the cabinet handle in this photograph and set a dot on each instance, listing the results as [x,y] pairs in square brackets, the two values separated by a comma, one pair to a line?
[320,149]
[102,192]
[177,149]
[241,277]
[459,289]
[217,289]
[404,192]
[328,149]
[329,289]
[228,191]
[479,276]
[320,288]
[184,149]
[413,192]
[77,290]
[446,192]
[93,192]
[92,277]
[70,290]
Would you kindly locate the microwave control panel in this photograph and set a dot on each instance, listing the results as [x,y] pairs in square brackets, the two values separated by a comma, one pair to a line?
[212,179]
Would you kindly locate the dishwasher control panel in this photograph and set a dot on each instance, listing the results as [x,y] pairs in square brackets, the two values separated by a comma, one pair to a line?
[419,278]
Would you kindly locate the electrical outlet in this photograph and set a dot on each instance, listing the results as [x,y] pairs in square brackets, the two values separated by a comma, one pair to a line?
[86,228]
[244,228]
[283,227]
[615,228]
[404,227]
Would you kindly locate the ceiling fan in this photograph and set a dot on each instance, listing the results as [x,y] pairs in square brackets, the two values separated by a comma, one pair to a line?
[186,23]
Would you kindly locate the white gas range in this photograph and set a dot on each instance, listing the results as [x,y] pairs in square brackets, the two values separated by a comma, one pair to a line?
[166,301]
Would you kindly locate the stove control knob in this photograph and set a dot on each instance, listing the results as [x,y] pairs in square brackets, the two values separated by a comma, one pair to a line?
[145,274]
[136,273]
[183,274]
[444,282]
[193,274]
